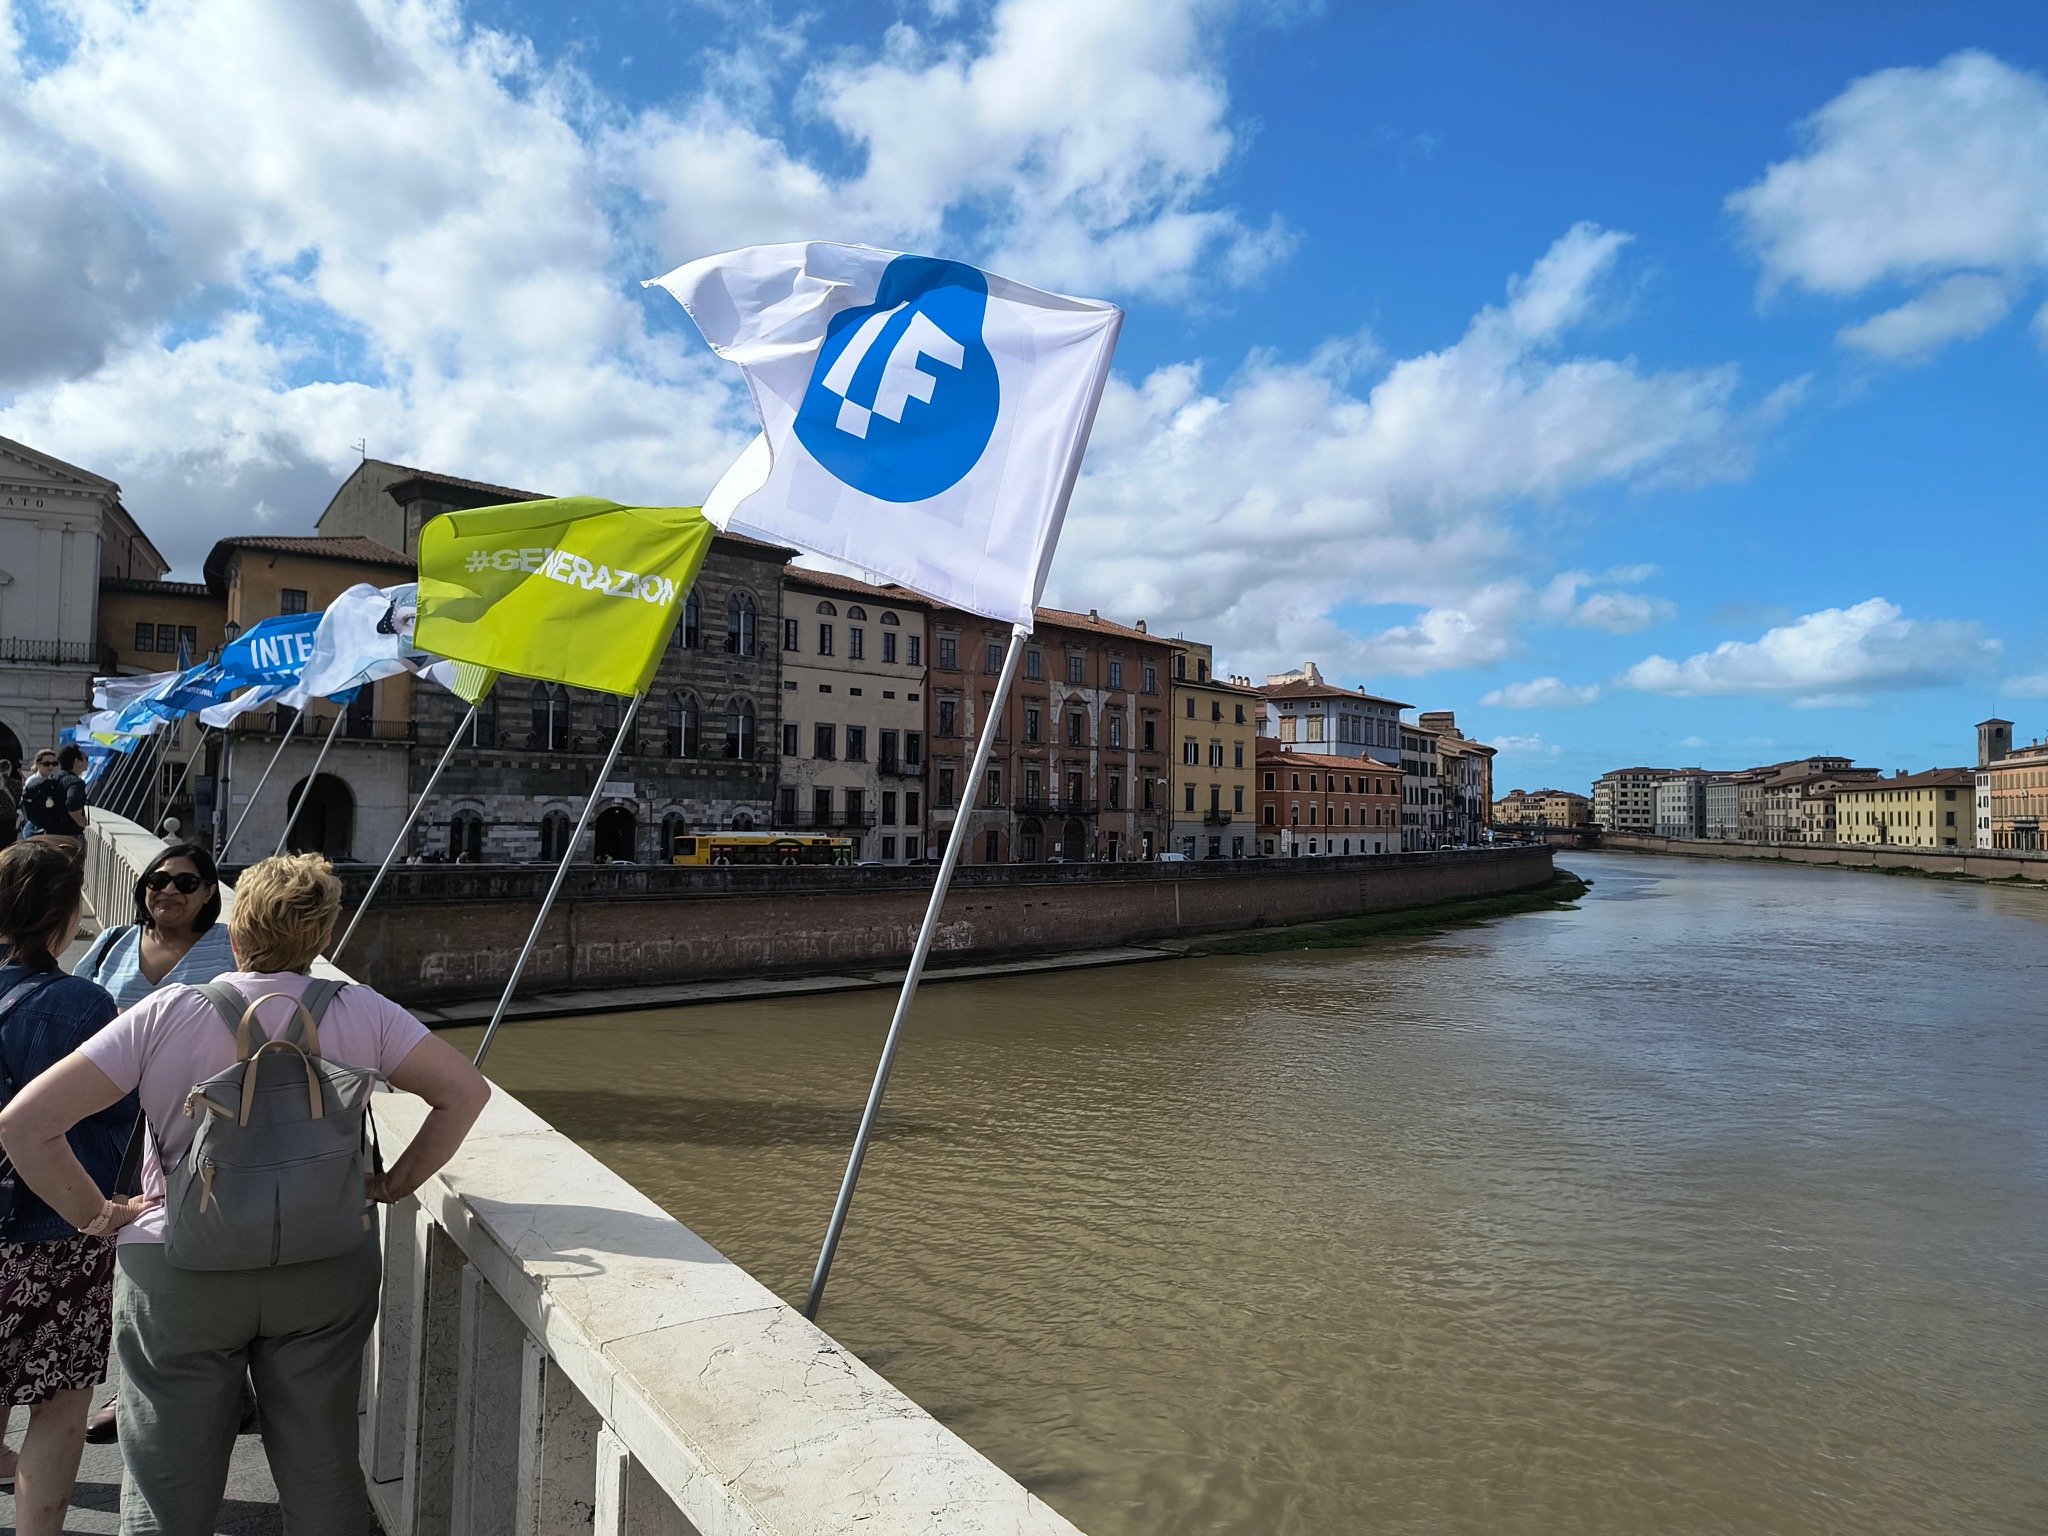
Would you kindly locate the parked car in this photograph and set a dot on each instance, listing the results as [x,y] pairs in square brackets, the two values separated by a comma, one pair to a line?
[1175,858]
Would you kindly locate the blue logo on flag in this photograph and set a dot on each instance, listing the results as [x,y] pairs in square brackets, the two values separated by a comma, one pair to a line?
[273,652]
[905,396]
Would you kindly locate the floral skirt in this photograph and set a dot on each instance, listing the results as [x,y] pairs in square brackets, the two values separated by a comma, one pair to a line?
[56,1316]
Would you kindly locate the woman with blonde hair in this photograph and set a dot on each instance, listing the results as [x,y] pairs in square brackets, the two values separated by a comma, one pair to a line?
[185,1336]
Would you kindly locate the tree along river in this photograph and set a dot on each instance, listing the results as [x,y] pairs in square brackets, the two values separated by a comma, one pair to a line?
[1717,1205]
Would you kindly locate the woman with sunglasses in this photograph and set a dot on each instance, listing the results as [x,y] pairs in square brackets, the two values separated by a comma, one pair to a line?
[177,934]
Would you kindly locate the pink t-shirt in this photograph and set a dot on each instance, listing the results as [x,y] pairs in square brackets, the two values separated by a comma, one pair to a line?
[175,1039]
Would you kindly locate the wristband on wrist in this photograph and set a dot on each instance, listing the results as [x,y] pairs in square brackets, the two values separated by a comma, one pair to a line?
[102,1224]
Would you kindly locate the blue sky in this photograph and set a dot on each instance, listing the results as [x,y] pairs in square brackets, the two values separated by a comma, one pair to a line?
[1645,383]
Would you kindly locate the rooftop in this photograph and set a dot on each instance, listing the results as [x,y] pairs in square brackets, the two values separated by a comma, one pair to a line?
[1095,624]
[1931,778]
[1307,690]
[354,549]
[832,581]
[155,588]
[1269,752]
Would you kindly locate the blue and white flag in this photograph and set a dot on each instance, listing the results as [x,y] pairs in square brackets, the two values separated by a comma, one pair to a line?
[270,653]
[365,635]
[920,418]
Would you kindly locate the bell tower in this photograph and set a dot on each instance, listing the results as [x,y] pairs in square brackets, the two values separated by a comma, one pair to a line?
[1994,740]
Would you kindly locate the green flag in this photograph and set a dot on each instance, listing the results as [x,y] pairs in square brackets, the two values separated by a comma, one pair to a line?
[577,590]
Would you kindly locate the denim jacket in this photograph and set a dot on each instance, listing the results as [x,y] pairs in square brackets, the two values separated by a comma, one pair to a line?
[36,1034]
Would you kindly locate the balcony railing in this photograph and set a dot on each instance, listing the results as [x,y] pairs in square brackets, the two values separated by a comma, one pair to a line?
[836,821]
[49,653]
[900,770]
[1217,819]
[1056,807]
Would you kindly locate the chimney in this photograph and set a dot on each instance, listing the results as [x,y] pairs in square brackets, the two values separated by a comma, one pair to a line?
[1141,627]
[1094,615]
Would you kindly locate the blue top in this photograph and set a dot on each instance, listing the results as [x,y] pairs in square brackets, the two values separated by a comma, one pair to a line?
[115,962]
[39,1032]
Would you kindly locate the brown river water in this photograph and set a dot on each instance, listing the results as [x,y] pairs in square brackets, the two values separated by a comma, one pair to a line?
[1717,1205]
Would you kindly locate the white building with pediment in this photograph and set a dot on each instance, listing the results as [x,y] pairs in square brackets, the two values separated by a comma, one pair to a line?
[61,529]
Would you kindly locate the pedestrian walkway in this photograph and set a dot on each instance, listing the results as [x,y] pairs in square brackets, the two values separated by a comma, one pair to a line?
[250,1508]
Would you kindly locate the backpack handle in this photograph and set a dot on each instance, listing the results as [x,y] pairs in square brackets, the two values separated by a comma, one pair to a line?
[315,1105]
[310,1034]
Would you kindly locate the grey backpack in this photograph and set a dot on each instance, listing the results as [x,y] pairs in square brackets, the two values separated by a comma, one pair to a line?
[276,1170]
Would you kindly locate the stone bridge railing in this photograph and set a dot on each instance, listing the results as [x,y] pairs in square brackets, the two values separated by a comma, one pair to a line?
[557,1354]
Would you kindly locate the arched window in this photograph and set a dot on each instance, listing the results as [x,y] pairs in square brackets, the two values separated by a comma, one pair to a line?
[739,624]
[828,610]
[891,619]
[690,633]
[682,725]
[739,729]
[465,838]
[857,612]
[608,716]
[742,821]
[550,718]
[674,825]
[554,835]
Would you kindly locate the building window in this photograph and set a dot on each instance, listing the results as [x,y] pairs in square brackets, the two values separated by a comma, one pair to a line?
[888,645]
[1031,722]
[913,751]
[1215,754]
[550,717]
[989,847]
[821,807]
[739,624]
[1240,714]
[888,807]
[188,641]
[1116,791]
[911,809]
[1076,666]
[1116,730]
[789,738]
[145,636]
[824,742]
[1237,799]
[291,600]
[949,654]
[554,836]
[1188,751]
[1239,749]
[888,847]
[1149,783]
[739,730]
[1116,673]
[856,808]
[1151,678]
[1191,709]
[1034,664]
[992,787]
[682,725]
[915,649]
[992,657]
[1074,788]
[1077,728]
[856,643]
[943,792]
[824,639]
[167,638]
[856,743]
[949,717]
[1151,735]
[792,635]
[692,630]
[466,838]
[785,805]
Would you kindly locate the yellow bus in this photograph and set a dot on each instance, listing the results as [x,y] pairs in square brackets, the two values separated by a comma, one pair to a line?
[759,848]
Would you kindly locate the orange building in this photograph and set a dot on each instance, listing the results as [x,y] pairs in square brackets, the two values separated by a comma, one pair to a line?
[1315,806]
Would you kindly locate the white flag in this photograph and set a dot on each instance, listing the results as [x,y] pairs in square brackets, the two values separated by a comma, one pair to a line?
[920,418]
[365,634]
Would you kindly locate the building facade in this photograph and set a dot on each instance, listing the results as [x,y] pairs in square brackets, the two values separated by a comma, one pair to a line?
[2014,795]
[1311,805]
[1541,810]
[1464,779]
[1078,771]
[1624,799]
[1303,713]
[62,530]
[852,757]
[1935,809]
[1213,723]
[1679,805]
[1722,814]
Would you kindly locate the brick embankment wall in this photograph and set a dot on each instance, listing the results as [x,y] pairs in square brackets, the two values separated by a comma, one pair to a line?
[444,933]
[1978,864]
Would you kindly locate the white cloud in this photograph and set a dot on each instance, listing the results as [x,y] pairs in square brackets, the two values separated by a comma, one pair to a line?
[1831,658]
[1913,175]
[2034,686]
[1526,746]
[1542,693]
[1401,492]
[1955,309]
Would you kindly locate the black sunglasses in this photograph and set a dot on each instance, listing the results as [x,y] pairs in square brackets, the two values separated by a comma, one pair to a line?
[186,882]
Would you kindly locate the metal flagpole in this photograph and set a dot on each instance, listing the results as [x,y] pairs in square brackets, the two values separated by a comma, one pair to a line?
[281,741]
[404,832]
[292,818]
[954,843]
[151,753]
[198,751]
[561,874]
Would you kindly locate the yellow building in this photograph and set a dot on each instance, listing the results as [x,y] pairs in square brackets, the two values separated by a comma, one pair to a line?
[1213,729]
[1935,809]
[2013,799]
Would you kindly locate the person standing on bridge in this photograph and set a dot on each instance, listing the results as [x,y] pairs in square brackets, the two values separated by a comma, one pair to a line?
[185,1337]
[177,936]
[56,1274]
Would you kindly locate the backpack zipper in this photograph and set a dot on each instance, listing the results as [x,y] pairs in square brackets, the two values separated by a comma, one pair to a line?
[206,1172]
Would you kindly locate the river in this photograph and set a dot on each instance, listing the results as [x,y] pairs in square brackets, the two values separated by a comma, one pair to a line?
[1717,1205]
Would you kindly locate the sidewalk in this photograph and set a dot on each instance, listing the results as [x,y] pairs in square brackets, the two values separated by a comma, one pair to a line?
[250,1508]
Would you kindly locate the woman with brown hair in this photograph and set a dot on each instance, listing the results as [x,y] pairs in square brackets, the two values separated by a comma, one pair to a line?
[56,1279]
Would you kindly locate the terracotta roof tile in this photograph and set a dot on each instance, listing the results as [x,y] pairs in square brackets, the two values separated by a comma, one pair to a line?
[832,581]
[1932,778]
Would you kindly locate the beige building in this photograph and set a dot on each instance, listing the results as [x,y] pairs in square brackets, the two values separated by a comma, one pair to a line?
[1214,725]
[853,714]
[1464,779]
[1935,809]
[1541,809]
[1625,799]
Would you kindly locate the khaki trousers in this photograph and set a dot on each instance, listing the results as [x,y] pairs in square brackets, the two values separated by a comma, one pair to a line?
[184,1338]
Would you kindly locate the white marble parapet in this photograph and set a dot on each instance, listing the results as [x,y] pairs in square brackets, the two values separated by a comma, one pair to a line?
[556,1354]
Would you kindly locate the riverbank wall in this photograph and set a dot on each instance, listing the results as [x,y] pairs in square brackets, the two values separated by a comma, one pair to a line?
[446,933]
[1962,863]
